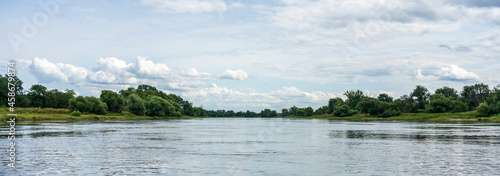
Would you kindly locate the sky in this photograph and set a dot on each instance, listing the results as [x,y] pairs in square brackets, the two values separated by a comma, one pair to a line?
[250,55]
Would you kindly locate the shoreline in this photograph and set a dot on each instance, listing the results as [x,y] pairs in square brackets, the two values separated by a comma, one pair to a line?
[33,114]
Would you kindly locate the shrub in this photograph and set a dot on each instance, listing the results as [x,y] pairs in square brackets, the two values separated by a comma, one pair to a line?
[76,113]
[483,110]
[459,106]
[344,111]
[135,105]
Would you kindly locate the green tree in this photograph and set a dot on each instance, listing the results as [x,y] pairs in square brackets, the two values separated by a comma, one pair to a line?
[333,103]
[448,92]
[157,106]
[37,95]
[308,111]
[98,107]
[135,104]
[21,100]
[80,104]
[475,94]
[406,104]
[494,102]
[114,101]
[459,106]
[384,98]
[353,98]
[293,110]
[439,104]
[344,111]
[284,112]
[421,96]
[483,110]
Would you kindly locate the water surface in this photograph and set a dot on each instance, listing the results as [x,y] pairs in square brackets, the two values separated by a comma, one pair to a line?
[254,146]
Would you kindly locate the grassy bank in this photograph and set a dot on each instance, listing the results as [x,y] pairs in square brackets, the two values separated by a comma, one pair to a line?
[35,114]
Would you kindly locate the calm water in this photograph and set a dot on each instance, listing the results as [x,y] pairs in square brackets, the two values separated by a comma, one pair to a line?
[253,146]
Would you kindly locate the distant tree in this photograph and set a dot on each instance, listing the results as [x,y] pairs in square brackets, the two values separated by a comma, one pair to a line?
[448,92]
[494,102]
[187,108]
[439,104]
[37,95]
[293,110]
[114,101]
[98,107]
[135,105]
[21,100]
[384,98]
[333,103]
[344,111]
[157,106]
[459,106]
[353,98]
[421,96]
[406,104]
[321,110]
[284,112]
[308,111]
[475,94]
[80,104]
[483,110]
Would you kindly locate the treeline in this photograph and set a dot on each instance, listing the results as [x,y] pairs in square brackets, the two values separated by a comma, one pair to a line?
[473,97]
[148,100]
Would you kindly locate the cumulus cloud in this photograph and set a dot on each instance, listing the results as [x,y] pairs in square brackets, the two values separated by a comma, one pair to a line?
[454,72]
[447,73]
[149,68]
[188,6]
[234,74]
[47,72]
[193,73]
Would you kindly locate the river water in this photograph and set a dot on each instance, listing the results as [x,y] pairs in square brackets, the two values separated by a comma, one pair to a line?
[253,146]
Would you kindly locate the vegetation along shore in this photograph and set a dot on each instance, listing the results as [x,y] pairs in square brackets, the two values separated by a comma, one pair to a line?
[474,103]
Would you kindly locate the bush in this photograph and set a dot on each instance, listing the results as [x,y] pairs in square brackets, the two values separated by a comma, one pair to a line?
[483,110]
[76,113]
[157,106]
[459,106]
[135,105]
[439,104]
[390,113]
[344,111]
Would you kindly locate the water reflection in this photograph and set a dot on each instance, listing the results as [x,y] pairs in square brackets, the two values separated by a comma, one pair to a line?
[256,147]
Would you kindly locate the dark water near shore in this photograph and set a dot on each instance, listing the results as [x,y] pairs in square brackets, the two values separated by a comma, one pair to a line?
[253,146]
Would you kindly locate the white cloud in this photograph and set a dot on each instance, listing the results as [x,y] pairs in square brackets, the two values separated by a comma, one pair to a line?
[250,99]
[47,72]
[187,6]
[193,72]
[454,72]
[149,68]
[234,74]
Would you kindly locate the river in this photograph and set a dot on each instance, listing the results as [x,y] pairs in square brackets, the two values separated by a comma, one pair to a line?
[253,146]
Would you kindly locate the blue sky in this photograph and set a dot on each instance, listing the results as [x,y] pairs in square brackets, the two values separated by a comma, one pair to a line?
[252,55]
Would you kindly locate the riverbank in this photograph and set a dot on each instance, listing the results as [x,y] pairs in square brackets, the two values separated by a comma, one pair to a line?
[34,114]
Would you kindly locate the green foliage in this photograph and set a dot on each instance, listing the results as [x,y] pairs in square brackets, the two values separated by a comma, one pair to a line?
[448,92]
[494,102]
[333,103]
[284,112]
[376,107]
[385,98]
[37,95]
[475,94]
[421,96]
[321,110]
[439,104]
[483,110]
[406,104]
[157,106]
[76,113]
[114,101]
[98,107]
[344,111]
[20,98]
[268,113]
[458,106]
[353,98]
[135,105]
